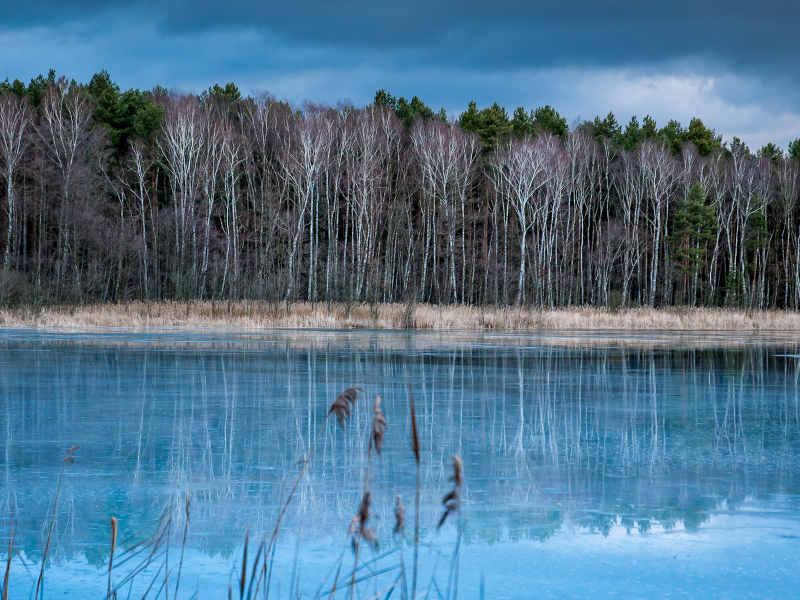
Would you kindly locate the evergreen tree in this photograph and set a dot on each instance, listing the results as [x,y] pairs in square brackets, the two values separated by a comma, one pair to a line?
[384,98]
[649,128]
[147,116]
[738,146]
[38,86]
[406,110]
[229,93]
[548,119]
[15,87]
[632,136]
[771,151]
[704,139]
[522,122]
[490,123]
[672,134]
[607,128]
[794,149]
[123,114]
[694,229]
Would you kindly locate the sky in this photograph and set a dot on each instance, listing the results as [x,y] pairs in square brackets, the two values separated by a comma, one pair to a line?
[734,64]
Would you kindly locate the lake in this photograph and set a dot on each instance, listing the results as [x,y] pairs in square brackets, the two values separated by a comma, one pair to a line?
[634,464]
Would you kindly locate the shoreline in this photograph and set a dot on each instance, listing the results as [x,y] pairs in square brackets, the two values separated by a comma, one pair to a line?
[246,315]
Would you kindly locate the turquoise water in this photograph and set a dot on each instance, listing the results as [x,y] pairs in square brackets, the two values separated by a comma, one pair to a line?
[650,464]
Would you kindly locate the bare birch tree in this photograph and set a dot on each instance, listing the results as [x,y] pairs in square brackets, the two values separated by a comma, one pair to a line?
[15,120]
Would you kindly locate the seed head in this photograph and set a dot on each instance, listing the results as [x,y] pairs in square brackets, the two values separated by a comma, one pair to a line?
[399,516]
[378,424]
[458,472]
[414,434]
[452,500]
[343,403]
[358,526]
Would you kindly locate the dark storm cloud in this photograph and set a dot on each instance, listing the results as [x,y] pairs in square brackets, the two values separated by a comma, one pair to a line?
[734,63]
[479,34]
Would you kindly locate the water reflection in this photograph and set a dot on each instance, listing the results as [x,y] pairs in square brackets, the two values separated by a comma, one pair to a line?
[644,439]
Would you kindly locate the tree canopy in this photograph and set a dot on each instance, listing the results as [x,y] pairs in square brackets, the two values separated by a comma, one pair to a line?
[113,194]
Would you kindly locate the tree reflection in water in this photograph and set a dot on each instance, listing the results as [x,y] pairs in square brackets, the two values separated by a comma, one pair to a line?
[552,437]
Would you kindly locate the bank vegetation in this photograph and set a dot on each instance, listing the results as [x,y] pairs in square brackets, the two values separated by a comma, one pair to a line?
[255,315]
[114,196]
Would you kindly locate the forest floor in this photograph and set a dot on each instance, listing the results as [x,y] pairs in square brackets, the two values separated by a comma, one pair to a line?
[246,315]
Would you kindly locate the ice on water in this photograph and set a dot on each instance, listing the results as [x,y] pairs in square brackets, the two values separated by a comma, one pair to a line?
[664,467]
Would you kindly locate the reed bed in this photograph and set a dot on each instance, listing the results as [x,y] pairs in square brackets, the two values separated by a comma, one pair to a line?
[141,553]
[247,315]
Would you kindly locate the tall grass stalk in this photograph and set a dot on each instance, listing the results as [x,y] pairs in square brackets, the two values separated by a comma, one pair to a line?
[336,566]
[244,564]
[157,539]
[375,441]
[452,504]
[166,557]
[10,554]
[269,573]
[400,529]
[111,558]
[415,448]
[183,545]
[67,459]
[340,408]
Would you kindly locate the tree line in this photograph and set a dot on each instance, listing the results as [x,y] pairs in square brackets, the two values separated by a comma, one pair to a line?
[115,195]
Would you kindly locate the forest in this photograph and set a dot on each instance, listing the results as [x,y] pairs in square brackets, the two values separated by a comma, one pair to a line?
[113,195]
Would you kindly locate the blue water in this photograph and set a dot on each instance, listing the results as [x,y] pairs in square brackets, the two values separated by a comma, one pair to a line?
[636,465]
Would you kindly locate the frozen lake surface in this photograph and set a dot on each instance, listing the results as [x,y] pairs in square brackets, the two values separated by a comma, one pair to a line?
[639,465]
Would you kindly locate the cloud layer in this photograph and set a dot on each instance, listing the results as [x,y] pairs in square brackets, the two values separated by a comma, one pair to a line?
[732,63]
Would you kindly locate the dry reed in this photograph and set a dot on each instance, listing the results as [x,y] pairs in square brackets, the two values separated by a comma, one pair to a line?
[400,529]
[415,448]
[67,459]
[363,534]
[343,403]
[452,500]
[399,516]
[340,407]
[111,558]
[452,504]
[253,315]
[244,564]
[183,546]
[378,425]
[10,554]
[359,530]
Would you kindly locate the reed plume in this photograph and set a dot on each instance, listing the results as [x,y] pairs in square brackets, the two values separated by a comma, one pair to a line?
[67,459]
[111,559]
[359,531]
[341,408]
[414,434]
[378,425]
[399,516]
[343,403]
[452,500]
[376,439]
